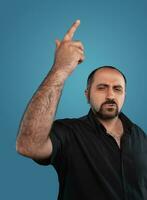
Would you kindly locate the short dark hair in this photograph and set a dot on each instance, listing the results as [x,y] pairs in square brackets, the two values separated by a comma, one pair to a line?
[91,75]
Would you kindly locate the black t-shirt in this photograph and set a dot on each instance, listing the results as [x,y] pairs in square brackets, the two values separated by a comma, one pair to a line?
[91,166]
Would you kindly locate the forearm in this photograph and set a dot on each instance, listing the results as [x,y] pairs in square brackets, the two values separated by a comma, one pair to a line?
[39,115]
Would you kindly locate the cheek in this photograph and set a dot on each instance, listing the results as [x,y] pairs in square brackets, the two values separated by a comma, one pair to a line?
[121,101]
[97,99]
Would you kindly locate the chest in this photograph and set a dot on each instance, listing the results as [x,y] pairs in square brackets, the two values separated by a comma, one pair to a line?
[109,158]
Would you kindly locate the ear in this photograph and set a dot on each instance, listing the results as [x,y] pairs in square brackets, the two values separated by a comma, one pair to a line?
[87,95]
[125,94]
[86,92]
[57,43]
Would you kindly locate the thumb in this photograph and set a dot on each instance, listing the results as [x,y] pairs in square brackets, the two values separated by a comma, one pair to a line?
[57,43]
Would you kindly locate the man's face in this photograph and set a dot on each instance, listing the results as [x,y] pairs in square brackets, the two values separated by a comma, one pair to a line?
[107,93]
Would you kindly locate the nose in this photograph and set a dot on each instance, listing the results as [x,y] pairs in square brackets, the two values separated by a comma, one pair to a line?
[110,94]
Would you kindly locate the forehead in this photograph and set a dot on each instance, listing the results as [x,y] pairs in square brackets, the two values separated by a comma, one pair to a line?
[108,76]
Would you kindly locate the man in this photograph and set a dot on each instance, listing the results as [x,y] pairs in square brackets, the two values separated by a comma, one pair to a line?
[101,156]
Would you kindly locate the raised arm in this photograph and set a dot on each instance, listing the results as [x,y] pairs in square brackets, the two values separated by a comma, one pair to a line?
[33,138]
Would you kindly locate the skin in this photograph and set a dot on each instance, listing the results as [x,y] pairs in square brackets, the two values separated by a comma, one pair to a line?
[33,138]
[108,86]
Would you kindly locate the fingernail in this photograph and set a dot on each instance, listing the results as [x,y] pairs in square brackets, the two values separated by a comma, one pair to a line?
[78,21]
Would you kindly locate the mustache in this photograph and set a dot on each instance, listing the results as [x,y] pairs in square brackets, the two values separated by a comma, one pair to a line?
[109,102]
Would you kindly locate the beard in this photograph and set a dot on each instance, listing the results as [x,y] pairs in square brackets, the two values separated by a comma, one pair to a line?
[108,110]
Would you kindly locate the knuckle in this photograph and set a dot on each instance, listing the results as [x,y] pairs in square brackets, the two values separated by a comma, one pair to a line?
[82,57]
[80,43]
[66,43]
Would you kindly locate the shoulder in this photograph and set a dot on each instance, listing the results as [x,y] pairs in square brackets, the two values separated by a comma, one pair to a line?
[130,125]
[138,130]
[71,122]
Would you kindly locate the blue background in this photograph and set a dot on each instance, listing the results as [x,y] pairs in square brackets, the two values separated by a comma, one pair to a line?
[114,32]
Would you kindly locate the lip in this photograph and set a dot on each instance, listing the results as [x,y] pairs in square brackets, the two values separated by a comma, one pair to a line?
[110,105]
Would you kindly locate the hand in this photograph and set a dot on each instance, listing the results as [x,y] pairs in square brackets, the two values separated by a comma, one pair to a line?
[68,53]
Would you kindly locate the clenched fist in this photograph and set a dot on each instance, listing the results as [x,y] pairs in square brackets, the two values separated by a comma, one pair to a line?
[68,53]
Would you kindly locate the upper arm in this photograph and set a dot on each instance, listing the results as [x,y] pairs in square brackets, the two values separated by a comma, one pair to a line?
[44,155]
[57,145]
[36,152]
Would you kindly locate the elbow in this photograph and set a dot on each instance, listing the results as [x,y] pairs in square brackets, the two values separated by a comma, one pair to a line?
[34,151]
[26,149]
[22,149]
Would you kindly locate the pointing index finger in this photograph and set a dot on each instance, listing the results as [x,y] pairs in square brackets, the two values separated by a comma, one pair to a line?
[71,31]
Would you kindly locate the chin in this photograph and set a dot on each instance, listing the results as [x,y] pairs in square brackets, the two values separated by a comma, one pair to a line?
[106,115]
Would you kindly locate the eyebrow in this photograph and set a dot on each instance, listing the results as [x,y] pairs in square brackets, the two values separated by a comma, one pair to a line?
[106,85]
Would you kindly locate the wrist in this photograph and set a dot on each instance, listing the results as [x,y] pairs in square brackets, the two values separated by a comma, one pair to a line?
[59,72]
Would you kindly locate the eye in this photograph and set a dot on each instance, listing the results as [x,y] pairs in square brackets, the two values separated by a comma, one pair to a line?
[101,88]
[118,89]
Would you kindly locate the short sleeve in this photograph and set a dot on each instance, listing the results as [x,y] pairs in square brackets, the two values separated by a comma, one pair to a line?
[60,138]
